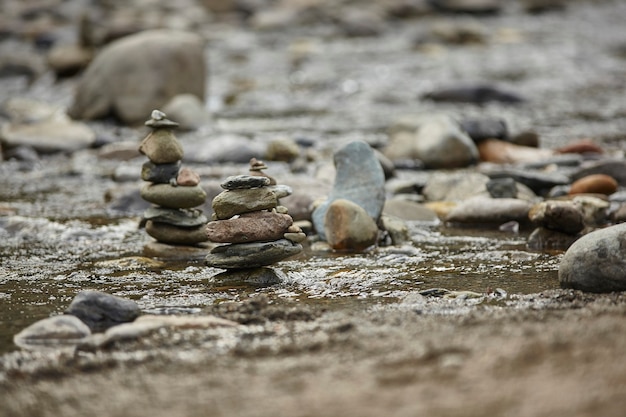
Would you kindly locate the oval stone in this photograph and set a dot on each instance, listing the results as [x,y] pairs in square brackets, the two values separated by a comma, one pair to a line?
[349,227]
[563,216]
[251,227]
[166,195]
[232,202]
[594,184]
[174,235]
[596,262]
[63,330]
[161,147]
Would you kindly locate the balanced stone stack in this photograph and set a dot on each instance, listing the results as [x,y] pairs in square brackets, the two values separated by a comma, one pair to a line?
[173,190]
[255,229]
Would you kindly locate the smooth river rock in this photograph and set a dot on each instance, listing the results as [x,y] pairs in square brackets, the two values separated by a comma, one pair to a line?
[162,147]
[48,136]
[594,184]
[100,311]
[359,178]
[251,255]
[141,72]
[564,216]
[169,196]
[250,227]
[596,262]
[484,210]
[437,140]
[232,202]
[57,331]
[176,235]
[348,227]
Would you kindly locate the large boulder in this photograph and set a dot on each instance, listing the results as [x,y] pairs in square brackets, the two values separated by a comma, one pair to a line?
[134,75]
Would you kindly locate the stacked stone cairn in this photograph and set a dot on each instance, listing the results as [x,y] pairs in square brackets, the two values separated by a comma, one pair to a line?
[173,191]
[249,221]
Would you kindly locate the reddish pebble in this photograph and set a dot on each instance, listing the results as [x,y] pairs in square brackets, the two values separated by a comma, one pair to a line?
[594,184]
[581,146]
[187,178]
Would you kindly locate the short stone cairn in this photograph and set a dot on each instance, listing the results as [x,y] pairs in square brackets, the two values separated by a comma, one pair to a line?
[248,220]
[173,191]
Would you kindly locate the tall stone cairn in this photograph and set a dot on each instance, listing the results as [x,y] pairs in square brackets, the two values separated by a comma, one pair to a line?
[174,191]
[253,229]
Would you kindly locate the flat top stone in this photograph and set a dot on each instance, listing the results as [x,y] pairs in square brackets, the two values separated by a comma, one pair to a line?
[238,182]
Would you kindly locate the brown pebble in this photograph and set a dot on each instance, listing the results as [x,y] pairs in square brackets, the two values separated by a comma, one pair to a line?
[581,147]
[594,184]
[187,178]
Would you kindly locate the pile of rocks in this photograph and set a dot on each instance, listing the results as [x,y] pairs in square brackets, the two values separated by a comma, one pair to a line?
[175,192]
[255,229]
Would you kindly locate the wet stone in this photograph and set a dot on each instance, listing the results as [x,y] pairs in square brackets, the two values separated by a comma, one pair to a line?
[483,210]
[545,239]
[502,188]
[176,217]
[100,310]
[237,182]
[169,196]
[176,235]
[250,227]
[159,173]
[563,216]
[349,227]
[187,178]
[596,261]
[537,181]
[232,202]
[594,184]
[57,331]
[161,147]
[250,255]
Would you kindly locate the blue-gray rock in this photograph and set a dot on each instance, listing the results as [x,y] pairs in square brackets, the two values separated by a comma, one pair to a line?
[100,311]
[159,173]
[251,255]
[242,182]
[596,262]
[57,331]
[502,188]
[359,179]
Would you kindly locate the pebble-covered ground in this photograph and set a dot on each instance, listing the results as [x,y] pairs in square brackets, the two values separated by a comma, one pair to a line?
[457,322]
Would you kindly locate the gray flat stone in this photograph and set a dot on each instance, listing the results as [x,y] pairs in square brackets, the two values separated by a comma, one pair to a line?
[100,310]
[238,182]
[176,217]
[251,255]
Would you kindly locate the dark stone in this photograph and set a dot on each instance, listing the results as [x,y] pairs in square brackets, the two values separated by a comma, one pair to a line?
[539,182]
[479,94]
[502,188]
[251,255]
[611,167]
[159,173]
[237,182]
[176,217]
[100,311]
[481,129]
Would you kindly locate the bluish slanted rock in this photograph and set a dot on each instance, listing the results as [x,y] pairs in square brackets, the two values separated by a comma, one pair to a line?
[596,262]
[359,179]
[100,311]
